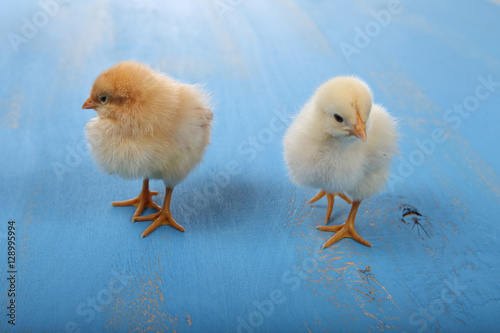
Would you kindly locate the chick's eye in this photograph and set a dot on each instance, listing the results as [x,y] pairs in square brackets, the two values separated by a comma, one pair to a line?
[103,99]
[338,118]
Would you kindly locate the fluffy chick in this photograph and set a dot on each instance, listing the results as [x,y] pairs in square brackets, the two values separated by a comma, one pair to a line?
[147,126]
[341,143]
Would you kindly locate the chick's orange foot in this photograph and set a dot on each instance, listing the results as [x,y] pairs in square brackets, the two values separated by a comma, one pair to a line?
[342,231]
[331,201]
[143,201]
[345,230]
[163,217]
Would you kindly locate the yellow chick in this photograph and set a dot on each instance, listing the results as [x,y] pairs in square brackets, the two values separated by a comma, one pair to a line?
[341,143]
[148,126]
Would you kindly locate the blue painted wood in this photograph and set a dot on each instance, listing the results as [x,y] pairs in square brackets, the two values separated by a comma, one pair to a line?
[250,260]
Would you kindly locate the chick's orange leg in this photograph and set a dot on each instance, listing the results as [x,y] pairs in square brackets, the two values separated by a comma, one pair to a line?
[345,230]
[143,201]
[163,217]
[345,197]
[329,209]
[318,196]
[331,201]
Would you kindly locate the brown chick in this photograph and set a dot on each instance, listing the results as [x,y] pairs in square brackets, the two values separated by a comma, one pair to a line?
[148,126]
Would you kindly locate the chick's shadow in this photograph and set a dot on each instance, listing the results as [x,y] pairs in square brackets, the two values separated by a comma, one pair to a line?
[208,204]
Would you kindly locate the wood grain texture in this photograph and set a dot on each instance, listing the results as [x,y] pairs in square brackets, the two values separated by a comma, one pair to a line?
[250,260]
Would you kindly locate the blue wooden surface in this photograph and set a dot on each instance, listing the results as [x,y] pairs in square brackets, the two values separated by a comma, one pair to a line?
[250,259]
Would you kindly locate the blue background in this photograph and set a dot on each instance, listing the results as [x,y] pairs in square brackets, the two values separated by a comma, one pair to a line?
[250,260]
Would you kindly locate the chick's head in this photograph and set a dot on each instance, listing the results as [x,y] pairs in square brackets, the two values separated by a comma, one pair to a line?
[343,105]
[121,91]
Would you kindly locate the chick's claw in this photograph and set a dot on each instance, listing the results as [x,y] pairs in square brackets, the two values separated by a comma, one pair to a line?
[151,217]
[345,230]
[342,231]
[143,201]
[163,219]
[140,202]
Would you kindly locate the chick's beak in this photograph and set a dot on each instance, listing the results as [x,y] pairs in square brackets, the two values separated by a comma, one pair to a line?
[359,130]
[88,104]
